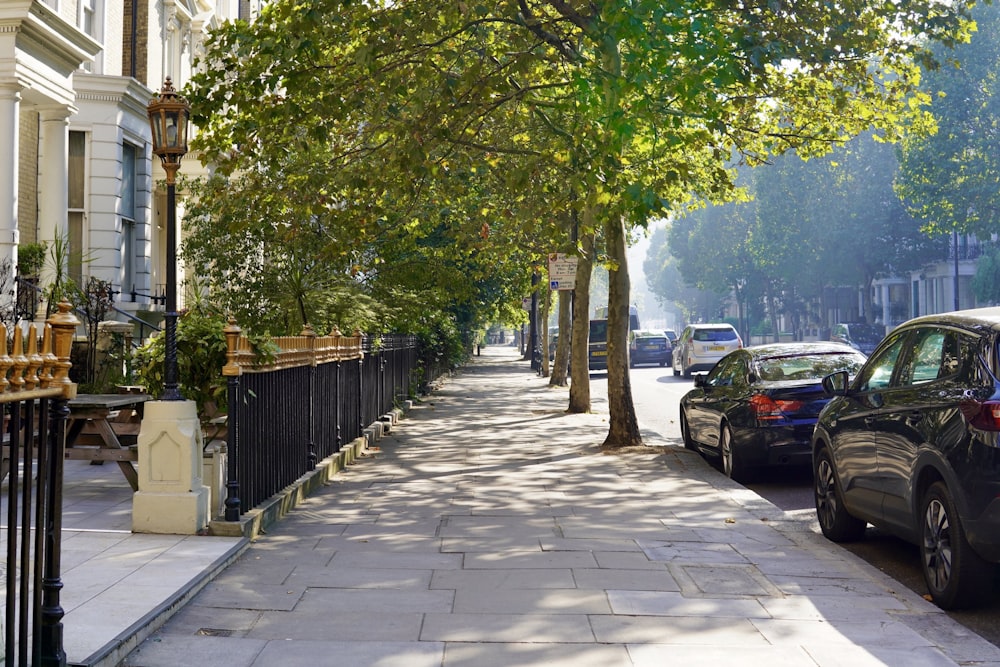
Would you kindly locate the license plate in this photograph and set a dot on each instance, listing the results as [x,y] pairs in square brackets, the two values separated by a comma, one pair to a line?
[600,353]
[716,348]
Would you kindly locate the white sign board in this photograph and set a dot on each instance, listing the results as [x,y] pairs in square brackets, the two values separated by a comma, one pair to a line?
[562,271]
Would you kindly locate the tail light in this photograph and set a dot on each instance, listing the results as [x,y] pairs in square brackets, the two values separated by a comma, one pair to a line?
[984,415]
[767,409]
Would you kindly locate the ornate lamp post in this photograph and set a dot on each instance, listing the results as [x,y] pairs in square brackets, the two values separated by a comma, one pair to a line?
[168,120]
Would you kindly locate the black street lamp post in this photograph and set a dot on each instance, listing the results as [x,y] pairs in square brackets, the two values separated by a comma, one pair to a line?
[168,120]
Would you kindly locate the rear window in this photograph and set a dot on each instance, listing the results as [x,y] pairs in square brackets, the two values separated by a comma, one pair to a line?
[808,366]
[651,339]
[714,335]
[598,331]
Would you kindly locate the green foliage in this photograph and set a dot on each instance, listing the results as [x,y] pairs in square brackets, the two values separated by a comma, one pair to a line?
[201,354]
[433,147]
[949,176]
[31,258]
[986,281]
[811,225]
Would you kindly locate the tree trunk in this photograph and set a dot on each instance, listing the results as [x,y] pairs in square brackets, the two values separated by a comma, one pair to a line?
[867,302]
[623,428]
[579,386]
[558,378]
[772,311]
[544,302]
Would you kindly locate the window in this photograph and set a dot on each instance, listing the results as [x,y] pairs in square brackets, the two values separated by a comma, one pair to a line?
[934,354]
[728,372]
[88,14]
[878,374]
[77,172]
[128,216]
[715,335]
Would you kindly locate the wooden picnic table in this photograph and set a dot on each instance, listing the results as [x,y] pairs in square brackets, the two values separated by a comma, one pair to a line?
[104,427]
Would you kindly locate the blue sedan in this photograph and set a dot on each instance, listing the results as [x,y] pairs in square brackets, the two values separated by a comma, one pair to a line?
[758,405]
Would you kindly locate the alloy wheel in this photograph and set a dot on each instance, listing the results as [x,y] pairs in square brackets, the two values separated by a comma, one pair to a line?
[937,550]
[726,445]
[827,502]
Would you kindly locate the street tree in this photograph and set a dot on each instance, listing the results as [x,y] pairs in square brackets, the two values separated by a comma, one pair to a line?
[634,106]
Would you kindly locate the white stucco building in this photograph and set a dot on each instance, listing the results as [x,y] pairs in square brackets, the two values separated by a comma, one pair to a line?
[75,158]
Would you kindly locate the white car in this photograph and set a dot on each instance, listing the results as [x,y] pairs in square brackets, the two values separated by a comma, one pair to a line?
[700,346]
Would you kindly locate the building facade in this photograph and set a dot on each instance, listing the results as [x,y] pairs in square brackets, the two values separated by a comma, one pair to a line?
[75,156]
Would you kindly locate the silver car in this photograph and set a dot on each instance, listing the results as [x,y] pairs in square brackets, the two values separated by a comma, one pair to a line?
[700,346]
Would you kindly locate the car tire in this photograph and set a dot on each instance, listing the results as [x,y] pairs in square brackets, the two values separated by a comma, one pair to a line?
[837,524]
[732,463]
[956,576]
[686,432]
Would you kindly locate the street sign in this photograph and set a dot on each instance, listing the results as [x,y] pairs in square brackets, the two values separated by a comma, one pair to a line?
[562,271]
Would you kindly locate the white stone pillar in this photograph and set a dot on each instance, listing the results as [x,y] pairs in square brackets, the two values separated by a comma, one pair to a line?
[53,179]
[171,498]
[886,317]
[10,103]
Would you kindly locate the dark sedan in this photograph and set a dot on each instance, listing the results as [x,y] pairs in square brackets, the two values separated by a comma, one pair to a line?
[649,348]
[758,405]
[912,446]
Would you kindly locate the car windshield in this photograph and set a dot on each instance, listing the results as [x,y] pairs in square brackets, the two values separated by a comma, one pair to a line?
[867,333]
[714,335]
[808,366]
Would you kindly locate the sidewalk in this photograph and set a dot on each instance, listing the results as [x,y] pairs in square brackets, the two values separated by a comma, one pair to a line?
[488,531]
[115,583]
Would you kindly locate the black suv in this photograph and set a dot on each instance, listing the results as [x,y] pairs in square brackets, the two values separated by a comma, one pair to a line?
[912,445]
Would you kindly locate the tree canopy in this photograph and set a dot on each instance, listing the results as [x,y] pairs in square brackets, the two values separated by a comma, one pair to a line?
[950,178]
[383,126]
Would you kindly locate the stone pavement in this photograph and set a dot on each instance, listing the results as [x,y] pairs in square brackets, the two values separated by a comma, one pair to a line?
[488,531]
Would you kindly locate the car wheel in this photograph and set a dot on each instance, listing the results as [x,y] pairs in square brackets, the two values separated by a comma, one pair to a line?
[835,521]
[732,464]
[686,432]
[956,576]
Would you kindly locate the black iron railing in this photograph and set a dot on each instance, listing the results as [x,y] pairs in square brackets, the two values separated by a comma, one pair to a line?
[319,394]
[34,392]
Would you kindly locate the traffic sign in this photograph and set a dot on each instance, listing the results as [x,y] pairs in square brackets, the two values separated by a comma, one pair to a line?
[562,271]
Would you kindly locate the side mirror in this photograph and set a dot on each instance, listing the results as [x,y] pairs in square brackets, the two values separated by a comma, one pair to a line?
[835,384]
[700,380]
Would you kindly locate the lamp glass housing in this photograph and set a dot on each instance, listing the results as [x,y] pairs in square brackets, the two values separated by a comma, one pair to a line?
[168,123]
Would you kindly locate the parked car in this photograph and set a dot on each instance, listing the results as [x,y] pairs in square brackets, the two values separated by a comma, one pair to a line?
[758,405]
[649,347]
[700,346]
[859,335]
[912,446]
